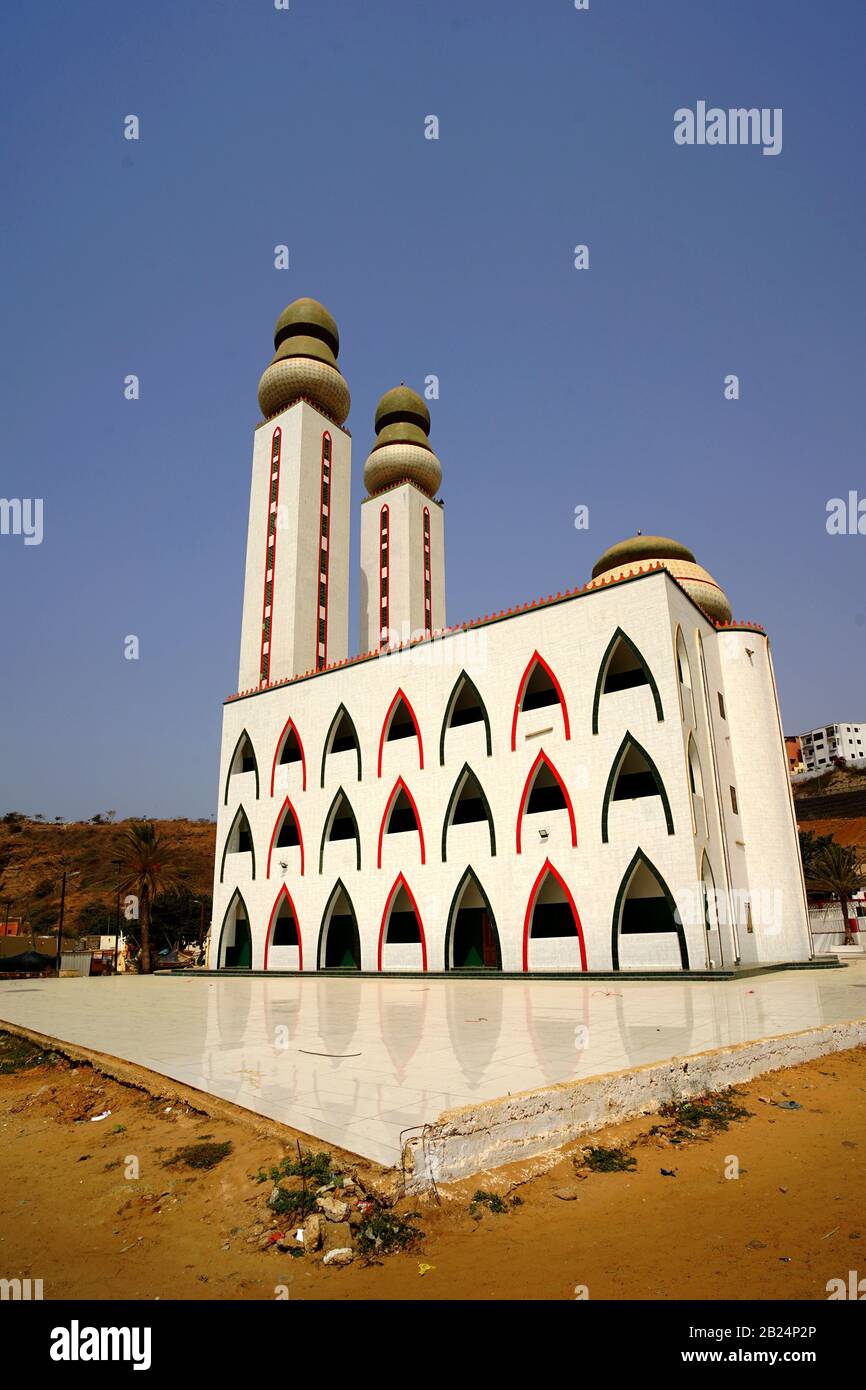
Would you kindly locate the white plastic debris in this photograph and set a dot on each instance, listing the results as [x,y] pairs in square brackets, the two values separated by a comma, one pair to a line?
[104,1116]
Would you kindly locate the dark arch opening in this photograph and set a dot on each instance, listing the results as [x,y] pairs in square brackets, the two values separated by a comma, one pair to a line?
[623,667]
[472,937]
[339,939]
[645,906]
[465,706]
[235,950]
[467,805]
[239,841]
[340,824]
[242,760]
[341,737]
[633,776]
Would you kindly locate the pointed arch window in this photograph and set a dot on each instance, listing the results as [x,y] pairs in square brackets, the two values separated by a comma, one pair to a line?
[623,667]
[538,689]
[324,555]
[400,817]
[645,908]
[270,558]
[467,805]
[384,575]
[696,786]
[400,723]
[465,706]
[340,824]
[633,776]
[472,936]
[544,791]
[242,760]
[684,675]
[342,737]
[284,935]
[428,584]
[286,834]
[552,918]
[339,946]
[235,950]
[239,841]
[401,926]
[288,753]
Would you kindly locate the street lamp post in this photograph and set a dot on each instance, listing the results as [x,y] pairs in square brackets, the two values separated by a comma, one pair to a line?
[117,863]
[73,874]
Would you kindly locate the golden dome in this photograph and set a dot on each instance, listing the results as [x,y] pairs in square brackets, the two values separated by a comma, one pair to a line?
[305,363]
[643,551]
[402,450]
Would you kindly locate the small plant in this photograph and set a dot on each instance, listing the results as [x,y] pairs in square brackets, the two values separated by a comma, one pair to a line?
[299,1203]
[315,1168]
[119,1129]
[18,1054]
[712,1113]
[491,1200]
[600,1160]
[204,1156]
[383,1232]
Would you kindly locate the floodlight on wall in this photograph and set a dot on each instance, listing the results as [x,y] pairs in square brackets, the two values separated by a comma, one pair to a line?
[543,834]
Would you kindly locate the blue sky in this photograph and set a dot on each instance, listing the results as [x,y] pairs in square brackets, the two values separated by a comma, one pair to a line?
[454,257]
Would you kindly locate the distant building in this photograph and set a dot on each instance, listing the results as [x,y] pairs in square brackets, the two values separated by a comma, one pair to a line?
[819,747]
[795,754]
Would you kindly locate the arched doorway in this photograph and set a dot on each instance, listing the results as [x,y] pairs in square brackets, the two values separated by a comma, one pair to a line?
[236,942]
[339,940]
[472,938]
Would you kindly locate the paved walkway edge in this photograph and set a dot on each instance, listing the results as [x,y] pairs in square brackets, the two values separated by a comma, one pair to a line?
[521,1126]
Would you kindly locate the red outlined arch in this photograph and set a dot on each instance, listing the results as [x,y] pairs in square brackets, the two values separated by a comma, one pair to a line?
[399,786]
[543,758]
[284,893]
[400,695]
[286,807]
[289,724]
[400,882]
[547,868]
[538,659]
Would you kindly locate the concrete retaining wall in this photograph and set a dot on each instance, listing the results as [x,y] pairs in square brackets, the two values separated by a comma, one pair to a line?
[466,1141]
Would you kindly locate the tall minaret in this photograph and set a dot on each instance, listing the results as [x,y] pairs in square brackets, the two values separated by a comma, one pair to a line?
[296,588]
[402,527]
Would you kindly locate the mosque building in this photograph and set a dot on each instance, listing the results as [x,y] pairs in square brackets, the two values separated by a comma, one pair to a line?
[594,781]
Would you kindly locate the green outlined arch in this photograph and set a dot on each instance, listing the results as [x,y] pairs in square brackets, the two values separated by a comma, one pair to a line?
[620,636]
[463,681]
[465,771]
[630,742]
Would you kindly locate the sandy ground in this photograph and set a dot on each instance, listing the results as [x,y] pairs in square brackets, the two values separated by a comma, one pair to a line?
[793,1219]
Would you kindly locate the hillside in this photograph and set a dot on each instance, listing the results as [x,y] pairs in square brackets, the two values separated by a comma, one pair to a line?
[33,856]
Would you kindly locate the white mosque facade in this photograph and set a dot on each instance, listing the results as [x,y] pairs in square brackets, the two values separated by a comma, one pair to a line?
[592,782]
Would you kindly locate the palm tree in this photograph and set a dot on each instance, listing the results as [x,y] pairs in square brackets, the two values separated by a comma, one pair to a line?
[835,869]
[148,865]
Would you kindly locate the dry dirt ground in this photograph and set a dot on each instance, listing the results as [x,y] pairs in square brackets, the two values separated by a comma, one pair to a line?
[69,1214]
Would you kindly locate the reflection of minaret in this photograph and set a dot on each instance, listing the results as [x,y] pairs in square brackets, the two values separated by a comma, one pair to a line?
[402,527]
[296,586]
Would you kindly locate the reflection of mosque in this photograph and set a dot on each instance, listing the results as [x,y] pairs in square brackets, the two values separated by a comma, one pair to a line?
[572,785]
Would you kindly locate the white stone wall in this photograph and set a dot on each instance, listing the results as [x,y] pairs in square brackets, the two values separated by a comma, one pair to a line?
[572,637]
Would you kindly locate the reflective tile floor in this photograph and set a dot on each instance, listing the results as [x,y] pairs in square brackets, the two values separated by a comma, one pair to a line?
[356,1062]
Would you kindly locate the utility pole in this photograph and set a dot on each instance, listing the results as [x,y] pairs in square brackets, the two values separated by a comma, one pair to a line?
[117,863]
[73,874]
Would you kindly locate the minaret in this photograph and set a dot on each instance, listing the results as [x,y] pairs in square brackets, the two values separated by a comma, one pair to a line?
[402,527]
[296,587]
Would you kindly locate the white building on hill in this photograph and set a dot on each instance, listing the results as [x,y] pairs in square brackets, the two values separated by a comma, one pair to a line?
[594,781]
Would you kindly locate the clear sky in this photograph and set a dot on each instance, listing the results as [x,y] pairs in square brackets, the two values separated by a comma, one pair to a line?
[559,387]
